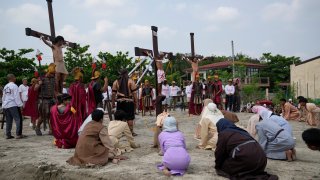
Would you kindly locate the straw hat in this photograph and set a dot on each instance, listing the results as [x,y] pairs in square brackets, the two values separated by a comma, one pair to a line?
[173,82]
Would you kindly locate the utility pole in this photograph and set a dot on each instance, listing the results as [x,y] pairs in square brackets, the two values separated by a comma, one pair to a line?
[232,47]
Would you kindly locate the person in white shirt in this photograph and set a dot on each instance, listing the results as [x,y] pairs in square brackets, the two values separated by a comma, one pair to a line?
[107,99]
[23,91]
[65,89]
[229,90]
[188,91]
[11,103]
[165,92]
[174,94]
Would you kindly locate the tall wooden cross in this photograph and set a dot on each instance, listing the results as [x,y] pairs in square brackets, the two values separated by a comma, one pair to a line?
[156,56]
[30,32]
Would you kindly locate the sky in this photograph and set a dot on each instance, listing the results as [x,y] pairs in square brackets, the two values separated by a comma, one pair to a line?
[286,27]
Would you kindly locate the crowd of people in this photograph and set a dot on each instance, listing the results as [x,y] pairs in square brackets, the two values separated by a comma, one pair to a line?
[75,118]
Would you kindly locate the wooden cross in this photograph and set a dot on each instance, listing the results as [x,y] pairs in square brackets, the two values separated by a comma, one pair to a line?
[156,55]
[30,32]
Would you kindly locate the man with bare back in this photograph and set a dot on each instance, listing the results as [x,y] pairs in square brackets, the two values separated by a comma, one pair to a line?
[195,67]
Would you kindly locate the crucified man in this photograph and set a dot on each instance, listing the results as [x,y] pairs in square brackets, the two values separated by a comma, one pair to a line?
[195,67]
[160,72]
[61,71]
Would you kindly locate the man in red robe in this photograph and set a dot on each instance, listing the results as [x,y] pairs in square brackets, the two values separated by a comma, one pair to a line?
[217,91]
[31,106]
[63,123]
[78,93]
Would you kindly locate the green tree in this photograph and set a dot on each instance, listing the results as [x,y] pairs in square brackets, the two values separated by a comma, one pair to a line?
[17,64]
[278,67]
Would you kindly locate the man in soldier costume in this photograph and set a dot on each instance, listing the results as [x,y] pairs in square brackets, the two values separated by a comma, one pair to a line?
[210,89]
[46,98]
[147,96]
[123,91]
[196,97]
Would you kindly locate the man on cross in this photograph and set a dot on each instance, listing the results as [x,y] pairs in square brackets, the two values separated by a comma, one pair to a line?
[61,71]
[195,67]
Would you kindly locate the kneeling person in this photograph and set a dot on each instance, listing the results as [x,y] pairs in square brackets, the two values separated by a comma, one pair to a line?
[94,145]
[118,128]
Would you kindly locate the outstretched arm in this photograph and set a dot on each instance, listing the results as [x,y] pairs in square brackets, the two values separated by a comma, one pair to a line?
[46,42]
[187,59]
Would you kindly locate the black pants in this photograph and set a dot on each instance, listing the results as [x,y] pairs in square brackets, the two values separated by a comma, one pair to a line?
[13,113]
[229,102]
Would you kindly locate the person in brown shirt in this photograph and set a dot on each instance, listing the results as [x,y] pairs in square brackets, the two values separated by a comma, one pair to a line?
[94,146]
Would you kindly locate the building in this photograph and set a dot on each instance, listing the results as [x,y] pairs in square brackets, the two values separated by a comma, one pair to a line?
[305,78]
[250,71]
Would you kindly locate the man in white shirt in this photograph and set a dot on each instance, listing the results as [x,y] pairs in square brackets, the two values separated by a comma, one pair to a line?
[229,90]
[188,91]
[165,92]
[11,104]
[23,91]
[174,93]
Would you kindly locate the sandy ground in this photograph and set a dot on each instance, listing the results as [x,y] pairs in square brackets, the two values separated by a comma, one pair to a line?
[37,158]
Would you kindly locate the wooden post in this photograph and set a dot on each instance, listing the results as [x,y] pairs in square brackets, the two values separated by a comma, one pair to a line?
[52,29]
[192,45]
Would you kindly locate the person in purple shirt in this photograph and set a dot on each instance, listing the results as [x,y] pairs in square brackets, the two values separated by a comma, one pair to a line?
[175,159]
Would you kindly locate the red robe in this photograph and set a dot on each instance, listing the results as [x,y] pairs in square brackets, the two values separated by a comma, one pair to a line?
[91,99]
[78,101]
[31,107]
[64,127]
[217,87]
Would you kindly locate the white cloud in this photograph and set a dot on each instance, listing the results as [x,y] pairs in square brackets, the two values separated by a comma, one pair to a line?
[103,3]
[280,10]
[211,28]
[267,44]
[167,32]
[26,14]
[223,14]
[180,6]
[135,31]
[71,33]
[102,26]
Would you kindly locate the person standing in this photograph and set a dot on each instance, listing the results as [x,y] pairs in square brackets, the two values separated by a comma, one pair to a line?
[123,91]
[174,89]
[78,93]
[217,84]
[229,89]
[95,91]
[147,95]
[237,98]
[23,91]
[47,97]
[11,104]
[31,107]
[165,92]
[189,91]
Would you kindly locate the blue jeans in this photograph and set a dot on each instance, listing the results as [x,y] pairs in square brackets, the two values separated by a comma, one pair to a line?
[13,113]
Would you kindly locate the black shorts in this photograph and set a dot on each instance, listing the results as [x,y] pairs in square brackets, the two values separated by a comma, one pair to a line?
[128,107]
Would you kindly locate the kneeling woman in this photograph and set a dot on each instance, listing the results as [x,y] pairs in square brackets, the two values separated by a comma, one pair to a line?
[175,156]
[94,145]
[237,154]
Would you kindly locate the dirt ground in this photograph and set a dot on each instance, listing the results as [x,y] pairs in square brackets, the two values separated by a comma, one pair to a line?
[37,158]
